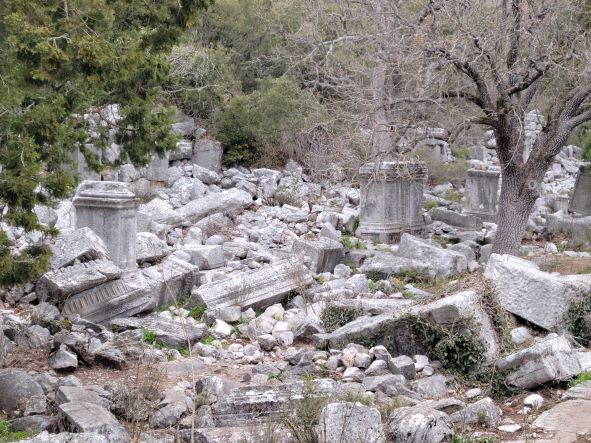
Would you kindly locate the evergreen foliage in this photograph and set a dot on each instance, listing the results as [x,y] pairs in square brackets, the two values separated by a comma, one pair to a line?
[62,59]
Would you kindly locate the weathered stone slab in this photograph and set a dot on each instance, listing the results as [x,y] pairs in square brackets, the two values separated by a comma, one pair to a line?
[570,420]
[82,416]
[481,194]
[183,150]
[159,211]
[581,200]
[149,247]
[418,424]
[258,288]
[20,392]
[118,298]
[208,154]
[452,218]
[267,403]
[109,209]
[551,359]
[443,262]
[157,169]
[81,244]
[205,256]
[67,394]
[274,432]
[536,296]
[324,254]
[71,280]
[578,229]
[391,330]
[384,265]
[350,423]
[229,202]
[391,199]
[171,279]
[168,332]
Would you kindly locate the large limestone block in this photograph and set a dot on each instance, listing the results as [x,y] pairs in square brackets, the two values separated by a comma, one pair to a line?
[229,202]
[205,257]
[149,247]
[208,154]
[171,279]
[383,265]
[569,419]
[418,424]
[258,288]
[464,221]
[81,416]
[549,360]
[538,297]
[275,433]
[19,392]
[63,282]
[159,211]
[168,332]
[324,254]
[268,403]
[81,244]
[350,423]
[124,297]
[443,262]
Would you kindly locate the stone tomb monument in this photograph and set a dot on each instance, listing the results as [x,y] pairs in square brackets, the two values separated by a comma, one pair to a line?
[581,199]
[109,209]
[481,194]
[391,199]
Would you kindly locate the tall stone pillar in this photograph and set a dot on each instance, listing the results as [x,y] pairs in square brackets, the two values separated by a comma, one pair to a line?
[481,194]
[391,199]
[109,209]
[580,202]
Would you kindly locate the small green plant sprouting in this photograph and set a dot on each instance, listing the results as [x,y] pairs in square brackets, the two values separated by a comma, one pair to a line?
[184,352]
[352,243]
[197,312]
[149,337]
[581,378]
[359,398]
[386,410]
[320,280]
[8,435]
[456,438]
[208,339]
[430,204]
[334,316]
[577,319]
[303,421]
[280,376]
[453,196]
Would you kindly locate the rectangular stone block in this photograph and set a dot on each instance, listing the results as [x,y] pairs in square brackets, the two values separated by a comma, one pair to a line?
[463,221]
[536,296]
[229,202]
[481,194]
[581,199]
[550,360]
[125,297]
[169,333]
[267,403]
[257,288]
[171,279]
[81,416]
[157,169]
[205,257]
[208,154]
[323,254]
[61,283]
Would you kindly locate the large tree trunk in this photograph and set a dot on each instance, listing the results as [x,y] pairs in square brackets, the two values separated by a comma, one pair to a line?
[518,196]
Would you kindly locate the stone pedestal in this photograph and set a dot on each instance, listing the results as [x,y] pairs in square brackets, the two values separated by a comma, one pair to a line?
[208,154]
[481,194]
[109,209]
[581,199]
[391,200]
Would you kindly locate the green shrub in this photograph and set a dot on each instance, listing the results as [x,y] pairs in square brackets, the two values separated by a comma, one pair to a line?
[334,316]
[581,378]
[197,312]
[7,434]
[578,319]
[258,125]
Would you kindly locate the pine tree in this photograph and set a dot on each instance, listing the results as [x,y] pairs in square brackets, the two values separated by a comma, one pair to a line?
[60,60]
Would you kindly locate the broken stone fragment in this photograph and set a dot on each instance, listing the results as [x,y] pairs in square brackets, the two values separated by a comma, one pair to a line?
[61,283]
[150,248]
[257,288]
[350,423]
[324,254]
[170,280]
[551,359]
[229,202]
[464,221]
[126,296]
[205,257]
[89,417]
[418,424]
[20,393]
[167,332]
[539,297]
[81,244]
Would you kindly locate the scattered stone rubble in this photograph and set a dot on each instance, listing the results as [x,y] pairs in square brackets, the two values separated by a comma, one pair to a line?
[230,304]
